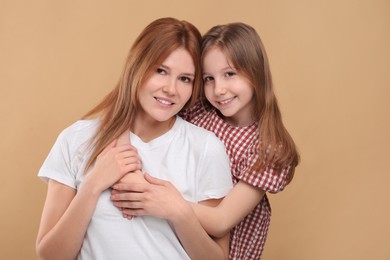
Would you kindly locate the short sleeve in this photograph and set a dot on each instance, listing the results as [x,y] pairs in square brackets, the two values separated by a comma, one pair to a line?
[58,163]
[269,179]
[215,178]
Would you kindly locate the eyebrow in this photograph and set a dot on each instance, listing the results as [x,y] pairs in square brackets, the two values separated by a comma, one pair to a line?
[223,69]
[189,75]
[168,68]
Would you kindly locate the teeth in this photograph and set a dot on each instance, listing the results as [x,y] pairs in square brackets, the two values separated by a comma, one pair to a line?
[225,101]
[164,102]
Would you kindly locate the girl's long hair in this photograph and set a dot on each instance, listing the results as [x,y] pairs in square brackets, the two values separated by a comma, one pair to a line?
[155,43]
[244,49]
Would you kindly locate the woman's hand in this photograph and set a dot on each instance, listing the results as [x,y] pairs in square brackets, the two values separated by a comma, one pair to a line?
[114,162]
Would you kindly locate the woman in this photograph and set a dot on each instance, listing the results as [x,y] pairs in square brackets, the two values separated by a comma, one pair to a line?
[160,78]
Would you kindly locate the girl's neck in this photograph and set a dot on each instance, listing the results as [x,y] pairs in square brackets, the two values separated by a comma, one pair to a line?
[237,121]
[147,130]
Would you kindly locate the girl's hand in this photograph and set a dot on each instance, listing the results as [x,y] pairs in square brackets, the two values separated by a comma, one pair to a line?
[133,177]
[157,198]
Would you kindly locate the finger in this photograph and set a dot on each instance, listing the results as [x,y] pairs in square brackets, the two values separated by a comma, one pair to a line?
[113,192]
[129,161]
[124,205]
[130,157]
[154,180]
[127,148]
[131,187]
[129,217]
[132,168]
[124,138]
[126,197]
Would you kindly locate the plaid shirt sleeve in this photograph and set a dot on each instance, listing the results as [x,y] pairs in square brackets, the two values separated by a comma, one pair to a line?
[269,179]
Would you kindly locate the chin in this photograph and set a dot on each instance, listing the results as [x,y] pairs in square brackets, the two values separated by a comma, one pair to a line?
[164,118]
[226,113]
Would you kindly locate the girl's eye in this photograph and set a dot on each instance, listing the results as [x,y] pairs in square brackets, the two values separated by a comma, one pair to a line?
[185,79]
[161,71]
[230,74]
[208,78]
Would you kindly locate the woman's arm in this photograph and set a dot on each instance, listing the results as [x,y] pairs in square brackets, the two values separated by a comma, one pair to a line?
[161,199]
[64,221]
[67,213]
[239,202]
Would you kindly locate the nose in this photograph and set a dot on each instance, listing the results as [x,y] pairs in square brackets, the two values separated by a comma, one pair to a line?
[169,87]
[219,88]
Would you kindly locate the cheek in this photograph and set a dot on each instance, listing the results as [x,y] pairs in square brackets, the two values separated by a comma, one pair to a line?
[252,94]
[186,94]
[208,91]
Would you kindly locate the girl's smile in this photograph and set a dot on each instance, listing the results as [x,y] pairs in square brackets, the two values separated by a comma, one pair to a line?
[226,89]
[226,101]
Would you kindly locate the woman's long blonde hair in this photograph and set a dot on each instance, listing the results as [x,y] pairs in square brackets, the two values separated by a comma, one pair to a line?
[244,49]
[155,43]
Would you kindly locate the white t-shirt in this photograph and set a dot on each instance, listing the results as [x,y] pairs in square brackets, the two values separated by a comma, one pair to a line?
[192,158]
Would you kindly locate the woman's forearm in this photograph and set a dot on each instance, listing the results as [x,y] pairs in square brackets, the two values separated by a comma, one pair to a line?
[63,239]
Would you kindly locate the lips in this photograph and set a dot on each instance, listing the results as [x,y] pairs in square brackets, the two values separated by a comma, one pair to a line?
[164,101]
[225,101]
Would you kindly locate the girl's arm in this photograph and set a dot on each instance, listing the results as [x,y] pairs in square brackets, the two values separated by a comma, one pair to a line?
[161,199]
[197,243]
[239,202]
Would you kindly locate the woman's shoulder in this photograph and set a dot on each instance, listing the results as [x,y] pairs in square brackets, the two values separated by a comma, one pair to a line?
[80,131]
[85,125]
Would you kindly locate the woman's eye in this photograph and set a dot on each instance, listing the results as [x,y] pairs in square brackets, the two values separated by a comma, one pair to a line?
[186,79]
[161,71]
[208,78]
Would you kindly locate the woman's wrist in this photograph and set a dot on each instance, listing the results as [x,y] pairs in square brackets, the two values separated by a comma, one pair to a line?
[91,186]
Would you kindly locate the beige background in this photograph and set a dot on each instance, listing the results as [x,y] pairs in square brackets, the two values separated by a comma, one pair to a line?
[330,62]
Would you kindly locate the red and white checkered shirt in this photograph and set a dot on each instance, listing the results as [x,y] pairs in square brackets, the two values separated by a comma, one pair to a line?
[247,239]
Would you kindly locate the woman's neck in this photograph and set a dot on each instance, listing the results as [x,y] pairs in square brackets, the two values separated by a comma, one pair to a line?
[147,130]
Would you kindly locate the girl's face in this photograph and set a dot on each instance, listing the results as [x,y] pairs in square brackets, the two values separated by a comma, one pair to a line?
[227,90]
[168,89]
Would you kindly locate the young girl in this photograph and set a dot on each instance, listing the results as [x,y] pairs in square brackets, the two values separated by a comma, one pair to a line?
[242,110]
[161,73]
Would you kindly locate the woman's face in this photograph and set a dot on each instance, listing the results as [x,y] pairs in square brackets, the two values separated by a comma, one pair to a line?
[226,89]
[168,89]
